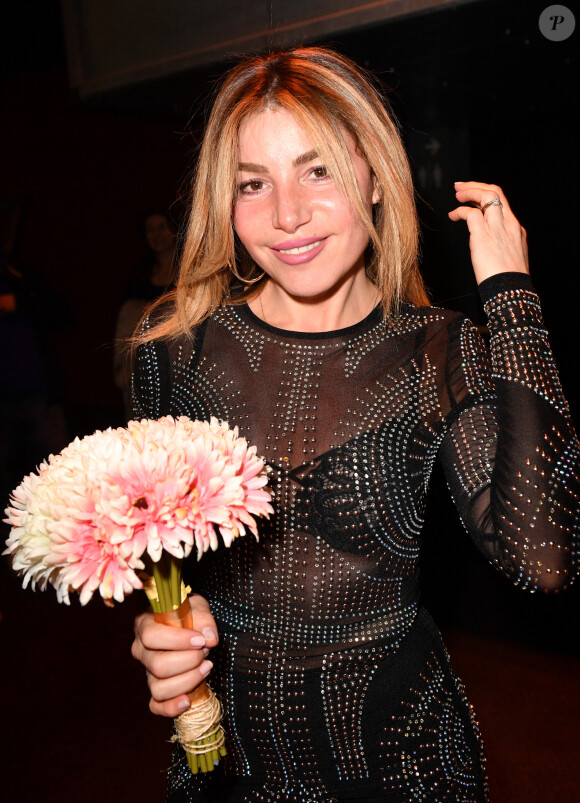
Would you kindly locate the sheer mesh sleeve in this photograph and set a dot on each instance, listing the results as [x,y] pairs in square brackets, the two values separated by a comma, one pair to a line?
[150,381]
[512,460]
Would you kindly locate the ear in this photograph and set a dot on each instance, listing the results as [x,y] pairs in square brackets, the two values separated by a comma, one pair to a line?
[377,193]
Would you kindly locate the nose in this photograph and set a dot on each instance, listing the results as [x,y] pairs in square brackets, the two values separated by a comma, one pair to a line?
[291,208]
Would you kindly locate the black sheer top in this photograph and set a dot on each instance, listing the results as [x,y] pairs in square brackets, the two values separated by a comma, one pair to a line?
[350,423]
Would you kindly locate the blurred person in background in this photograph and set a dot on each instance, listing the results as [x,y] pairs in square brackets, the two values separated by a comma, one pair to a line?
[153,276]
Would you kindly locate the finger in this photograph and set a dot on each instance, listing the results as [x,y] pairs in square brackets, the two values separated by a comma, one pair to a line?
[472,216]
[172,692]
[482,194]
[203,621]
[488,210]
[479,188]
[156,636]
[168,663]
[170,708]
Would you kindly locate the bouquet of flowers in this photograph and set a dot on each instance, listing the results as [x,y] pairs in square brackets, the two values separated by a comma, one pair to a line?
[118,510]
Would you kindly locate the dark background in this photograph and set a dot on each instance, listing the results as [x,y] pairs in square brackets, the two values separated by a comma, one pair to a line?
[480,94]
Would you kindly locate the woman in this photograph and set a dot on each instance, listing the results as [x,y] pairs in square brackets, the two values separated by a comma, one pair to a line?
[153,277]
[334,679]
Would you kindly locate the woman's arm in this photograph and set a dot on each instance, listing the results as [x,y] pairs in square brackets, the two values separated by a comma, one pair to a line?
[175,659]
[510,454]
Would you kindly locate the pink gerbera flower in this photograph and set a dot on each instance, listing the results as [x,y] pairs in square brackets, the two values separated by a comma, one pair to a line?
[85,520]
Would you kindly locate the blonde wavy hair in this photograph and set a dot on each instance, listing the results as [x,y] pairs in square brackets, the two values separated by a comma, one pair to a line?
[327,94]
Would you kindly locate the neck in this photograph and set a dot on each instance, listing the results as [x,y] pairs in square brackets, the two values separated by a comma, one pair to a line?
[338,310]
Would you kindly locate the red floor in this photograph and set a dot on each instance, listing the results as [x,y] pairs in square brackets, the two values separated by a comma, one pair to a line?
[76,727]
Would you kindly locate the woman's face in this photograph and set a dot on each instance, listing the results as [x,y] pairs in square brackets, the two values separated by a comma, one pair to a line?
[159,237]
[289,213]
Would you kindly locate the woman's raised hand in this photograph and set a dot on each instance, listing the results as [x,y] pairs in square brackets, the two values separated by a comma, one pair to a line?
[175,658]
[497,241]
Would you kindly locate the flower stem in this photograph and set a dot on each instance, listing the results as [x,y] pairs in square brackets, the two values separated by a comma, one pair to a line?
[168,597]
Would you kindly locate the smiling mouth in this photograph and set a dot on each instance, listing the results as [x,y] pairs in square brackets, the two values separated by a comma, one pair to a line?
[302,250]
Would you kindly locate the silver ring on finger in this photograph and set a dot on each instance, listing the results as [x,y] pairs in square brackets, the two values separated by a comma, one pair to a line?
[495,202]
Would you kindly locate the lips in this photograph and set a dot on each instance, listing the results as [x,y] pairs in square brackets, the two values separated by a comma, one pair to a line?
[302,249]
[295,252]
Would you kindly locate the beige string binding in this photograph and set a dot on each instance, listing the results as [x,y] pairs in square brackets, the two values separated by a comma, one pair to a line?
[202,720]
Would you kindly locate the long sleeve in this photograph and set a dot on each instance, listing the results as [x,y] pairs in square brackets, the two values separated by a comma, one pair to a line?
[150,380]
[512,457]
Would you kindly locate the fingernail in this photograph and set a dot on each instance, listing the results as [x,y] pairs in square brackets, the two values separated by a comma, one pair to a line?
[205,667]
[209,633]
[205,652]
[459,182]
[182,705]
[197,641]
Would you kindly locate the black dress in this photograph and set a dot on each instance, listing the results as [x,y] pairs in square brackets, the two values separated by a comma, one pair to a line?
[334,680]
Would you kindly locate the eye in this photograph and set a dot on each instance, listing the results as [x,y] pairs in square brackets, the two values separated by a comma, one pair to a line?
[320,172]
[251,187]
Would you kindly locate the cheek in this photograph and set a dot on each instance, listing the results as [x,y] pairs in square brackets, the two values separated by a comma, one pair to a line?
[236,217]
[245,225]
[347,220]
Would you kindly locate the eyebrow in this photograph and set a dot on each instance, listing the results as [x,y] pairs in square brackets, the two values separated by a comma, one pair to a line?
[304,158]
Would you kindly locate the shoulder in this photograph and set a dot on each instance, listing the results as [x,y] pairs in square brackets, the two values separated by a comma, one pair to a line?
[433,322]
[454,344]
[159,312]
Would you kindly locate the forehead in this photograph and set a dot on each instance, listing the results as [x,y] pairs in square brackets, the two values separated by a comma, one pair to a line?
[272,132]
[277,134]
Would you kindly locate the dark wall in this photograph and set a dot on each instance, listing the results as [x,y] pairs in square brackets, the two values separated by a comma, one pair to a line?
[85,174]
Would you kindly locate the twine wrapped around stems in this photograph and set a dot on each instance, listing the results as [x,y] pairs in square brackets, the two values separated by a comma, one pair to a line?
[201,721]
